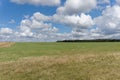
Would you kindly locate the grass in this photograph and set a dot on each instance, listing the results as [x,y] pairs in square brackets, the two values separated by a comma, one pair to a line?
[19,50]
[60,61]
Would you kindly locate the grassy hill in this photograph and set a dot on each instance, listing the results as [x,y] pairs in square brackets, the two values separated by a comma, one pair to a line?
[60,61]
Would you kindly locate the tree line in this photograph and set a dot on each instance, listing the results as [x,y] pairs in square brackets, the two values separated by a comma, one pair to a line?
[93,40]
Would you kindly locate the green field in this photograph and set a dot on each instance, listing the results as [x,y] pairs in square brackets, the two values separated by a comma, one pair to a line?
[60,61]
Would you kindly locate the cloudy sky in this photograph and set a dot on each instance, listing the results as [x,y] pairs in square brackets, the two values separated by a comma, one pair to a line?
[51,20]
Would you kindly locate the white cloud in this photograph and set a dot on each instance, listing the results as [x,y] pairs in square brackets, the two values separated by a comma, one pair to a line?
[109,22]
[37,27]
[25,32]
[82,21]
[73,14]
[80,24]
[77,6]
[38,2]
[34,28]
[40,17]
[6,34]
[6,31]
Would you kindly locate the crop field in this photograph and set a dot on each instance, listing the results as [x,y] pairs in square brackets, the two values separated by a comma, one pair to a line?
[60,61]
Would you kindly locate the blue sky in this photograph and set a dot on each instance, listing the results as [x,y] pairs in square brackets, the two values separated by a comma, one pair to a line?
[17,12]
[51,20]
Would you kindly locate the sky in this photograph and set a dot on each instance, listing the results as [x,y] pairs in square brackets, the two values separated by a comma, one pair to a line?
[52,20]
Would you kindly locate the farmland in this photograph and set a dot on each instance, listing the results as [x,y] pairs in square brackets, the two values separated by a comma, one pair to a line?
[60,61]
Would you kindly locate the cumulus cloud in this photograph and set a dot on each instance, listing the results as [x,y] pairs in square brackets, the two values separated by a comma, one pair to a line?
[77,6]
[6,31]
[6,34]
[40,17]
[38,2]
[73,14]
[34,28]
[40,27]
[79,24]
[37,27]
[109,22]
[82,21]
[25,31]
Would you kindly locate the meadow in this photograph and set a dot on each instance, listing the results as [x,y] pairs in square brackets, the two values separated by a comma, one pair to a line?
[60,61]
